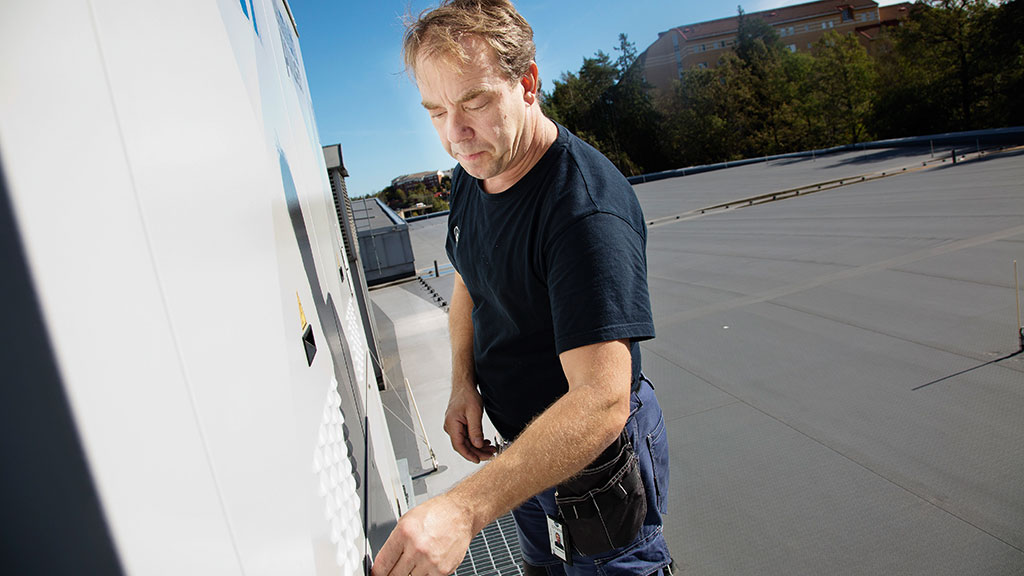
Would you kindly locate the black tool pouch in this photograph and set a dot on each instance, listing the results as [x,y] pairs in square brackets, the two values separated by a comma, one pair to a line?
[604,506]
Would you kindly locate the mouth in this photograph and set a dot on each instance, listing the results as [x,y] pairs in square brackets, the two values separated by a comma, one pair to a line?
[469,157]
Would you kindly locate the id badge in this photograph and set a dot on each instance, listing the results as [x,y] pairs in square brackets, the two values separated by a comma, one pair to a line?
[558,536]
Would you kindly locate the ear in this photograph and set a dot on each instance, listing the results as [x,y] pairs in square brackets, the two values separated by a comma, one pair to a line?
[531,84]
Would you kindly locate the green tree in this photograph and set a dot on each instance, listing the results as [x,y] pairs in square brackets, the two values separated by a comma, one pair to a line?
[748,105]
[1002,56]
[762,74]
[841,89]
[627,55]
[395,198]
[608,104]
[576,98]
[935,76]
[438,205]
[634,120]
[755,38]
[419,193]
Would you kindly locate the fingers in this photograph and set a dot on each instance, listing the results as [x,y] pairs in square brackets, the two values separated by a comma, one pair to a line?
[393,558]
[404,567]
[462,444]
[481,454]
[460,441]
[463,423]
[474,417]
[388,559]
[485,453]
[459,421]
[456,429]
[422,571]
[430,539]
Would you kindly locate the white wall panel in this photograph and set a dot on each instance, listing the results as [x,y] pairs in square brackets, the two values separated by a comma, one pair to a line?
[79,213]
[206,164]
[143,145]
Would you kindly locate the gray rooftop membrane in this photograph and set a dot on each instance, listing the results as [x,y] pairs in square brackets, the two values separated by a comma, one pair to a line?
[837,369]
[369,216]
[428,238]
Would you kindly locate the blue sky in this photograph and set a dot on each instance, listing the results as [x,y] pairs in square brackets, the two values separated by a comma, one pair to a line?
[364,101]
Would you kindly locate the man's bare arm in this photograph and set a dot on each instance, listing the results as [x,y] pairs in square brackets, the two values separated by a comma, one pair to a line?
[555,446]
[463,418]
[562,440]
[460,331]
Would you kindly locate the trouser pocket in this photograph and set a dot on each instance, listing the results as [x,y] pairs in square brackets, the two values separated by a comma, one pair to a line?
[604,506]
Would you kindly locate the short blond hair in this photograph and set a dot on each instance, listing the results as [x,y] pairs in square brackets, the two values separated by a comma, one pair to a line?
[437,33]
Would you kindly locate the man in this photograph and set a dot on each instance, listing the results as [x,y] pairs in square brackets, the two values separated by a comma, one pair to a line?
[550,300]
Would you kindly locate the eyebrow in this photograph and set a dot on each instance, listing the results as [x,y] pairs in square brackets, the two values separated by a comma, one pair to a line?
[464,98]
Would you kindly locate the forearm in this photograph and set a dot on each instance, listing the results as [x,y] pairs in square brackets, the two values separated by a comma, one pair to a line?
[460,332]
[559,443]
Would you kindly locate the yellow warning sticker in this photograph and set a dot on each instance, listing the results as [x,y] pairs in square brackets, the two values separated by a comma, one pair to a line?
[302,315]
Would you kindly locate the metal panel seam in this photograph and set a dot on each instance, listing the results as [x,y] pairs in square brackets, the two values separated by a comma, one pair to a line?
[162,295]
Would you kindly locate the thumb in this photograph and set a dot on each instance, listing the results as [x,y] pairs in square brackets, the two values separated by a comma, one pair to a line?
[476,431]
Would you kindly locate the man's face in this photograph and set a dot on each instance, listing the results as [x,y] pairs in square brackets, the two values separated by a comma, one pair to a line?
[478,113]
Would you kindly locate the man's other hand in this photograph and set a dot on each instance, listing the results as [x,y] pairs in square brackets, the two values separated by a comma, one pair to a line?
[430,540]
[463,421]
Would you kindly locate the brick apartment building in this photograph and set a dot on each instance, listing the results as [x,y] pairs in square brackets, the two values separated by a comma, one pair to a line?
[430,179]
[700,45]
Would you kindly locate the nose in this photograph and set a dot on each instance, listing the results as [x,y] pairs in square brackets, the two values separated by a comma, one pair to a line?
[457,128]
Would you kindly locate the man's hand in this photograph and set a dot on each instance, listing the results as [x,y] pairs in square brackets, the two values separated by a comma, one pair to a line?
[463,423]
[462,420]
[431,539]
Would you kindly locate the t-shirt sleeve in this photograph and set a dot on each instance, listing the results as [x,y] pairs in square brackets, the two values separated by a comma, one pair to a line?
[597,283]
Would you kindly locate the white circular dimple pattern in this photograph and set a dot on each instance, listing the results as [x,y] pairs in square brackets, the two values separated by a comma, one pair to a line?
[338,486]
[356,340]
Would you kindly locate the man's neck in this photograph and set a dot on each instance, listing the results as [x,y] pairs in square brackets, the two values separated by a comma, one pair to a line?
[536,141]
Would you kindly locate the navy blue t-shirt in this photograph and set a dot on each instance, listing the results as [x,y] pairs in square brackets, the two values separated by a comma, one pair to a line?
[555,262]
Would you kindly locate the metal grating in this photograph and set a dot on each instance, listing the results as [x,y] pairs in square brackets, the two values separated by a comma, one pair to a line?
[494,551]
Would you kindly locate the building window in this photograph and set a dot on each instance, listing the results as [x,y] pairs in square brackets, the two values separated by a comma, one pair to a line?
[702,65]
[792,47]
[847,14]
[722,44]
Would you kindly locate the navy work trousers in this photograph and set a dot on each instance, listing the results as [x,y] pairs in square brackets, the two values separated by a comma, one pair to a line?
[648,553]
